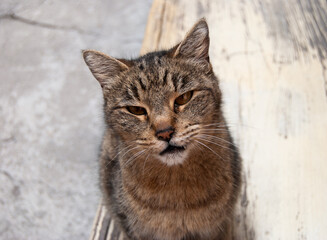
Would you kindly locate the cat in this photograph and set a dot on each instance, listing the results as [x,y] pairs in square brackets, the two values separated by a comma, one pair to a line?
[168,167]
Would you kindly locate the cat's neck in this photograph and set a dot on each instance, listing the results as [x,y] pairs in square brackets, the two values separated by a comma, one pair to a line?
[198,179]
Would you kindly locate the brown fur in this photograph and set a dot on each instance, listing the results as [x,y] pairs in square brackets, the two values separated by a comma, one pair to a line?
[189,195]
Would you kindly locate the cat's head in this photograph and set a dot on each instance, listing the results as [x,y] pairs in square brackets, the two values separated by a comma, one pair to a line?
[159,102]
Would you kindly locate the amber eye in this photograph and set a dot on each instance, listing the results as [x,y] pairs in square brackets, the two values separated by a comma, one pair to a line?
[183,99]
[136,110]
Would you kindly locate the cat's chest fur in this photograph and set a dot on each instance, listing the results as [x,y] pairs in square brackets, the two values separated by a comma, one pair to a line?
[172,202]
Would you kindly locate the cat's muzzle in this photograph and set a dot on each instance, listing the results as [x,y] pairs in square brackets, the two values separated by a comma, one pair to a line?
[172,149]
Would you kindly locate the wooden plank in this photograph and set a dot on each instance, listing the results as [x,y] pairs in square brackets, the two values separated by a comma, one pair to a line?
[96,223]
[104,227]
[271,58]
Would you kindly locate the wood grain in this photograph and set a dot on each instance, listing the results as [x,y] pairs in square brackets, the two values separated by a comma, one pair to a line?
[271,59]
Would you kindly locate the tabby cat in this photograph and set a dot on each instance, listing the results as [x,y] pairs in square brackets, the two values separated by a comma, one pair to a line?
[169,169]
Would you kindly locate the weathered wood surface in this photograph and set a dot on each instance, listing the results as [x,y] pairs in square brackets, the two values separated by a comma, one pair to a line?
[271,58]
[104,228]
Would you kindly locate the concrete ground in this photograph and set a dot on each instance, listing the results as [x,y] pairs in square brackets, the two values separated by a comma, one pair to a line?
[50,110]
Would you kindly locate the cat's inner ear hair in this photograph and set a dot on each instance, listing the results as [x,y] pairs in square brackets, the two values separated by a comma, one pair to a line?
[103,67]
[195,45]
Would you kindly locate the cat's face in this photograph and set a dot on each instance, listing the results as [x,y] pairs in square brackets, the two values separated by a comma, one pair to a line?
[158,103]
[161,103]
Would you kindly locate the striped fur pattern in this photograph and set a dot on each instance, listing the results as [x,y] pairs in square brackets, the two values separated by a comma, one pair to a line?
[168,170]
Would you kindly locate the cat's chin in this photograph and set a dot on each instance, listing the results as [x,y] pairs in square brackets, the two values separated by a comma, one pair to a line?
[173,158]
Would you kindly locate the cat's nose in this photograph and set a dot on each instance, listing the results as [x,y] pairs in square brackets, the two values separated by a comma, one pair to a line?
[165,134]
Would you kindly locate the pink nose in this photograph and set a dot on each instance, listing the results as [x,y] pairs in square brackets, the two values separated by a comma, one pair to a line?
[165,134]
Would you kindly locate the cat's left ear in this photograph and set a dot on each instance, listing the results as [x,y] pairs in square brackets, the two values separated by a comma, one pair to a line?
[103,67]
[195,45]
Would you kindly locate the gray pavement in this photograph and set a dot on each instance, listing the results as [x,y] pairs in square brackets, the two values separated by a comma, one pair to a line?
[50,110]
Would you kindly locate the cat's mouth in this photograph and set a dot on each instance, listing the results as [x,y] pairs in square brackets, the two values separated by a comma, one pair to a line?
[172,149]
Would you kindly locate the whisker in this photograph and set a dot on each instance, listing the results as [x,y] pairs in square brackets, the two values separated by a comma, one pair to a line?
[217,125]
[125,148]
[209,149]
[135,156]
[145,162]
[230,125]
[216,143]
[221,139]
[215,130]
[214,124]
[206,139]
[129,151]
[196,145]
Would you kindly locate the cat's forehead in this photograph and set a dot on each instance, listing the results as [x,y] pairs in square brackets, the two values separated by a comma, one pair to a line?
[160,73]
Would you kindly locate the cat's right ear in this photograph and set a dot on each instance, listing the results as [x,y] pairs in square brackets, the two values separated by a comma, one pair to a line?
[103,67]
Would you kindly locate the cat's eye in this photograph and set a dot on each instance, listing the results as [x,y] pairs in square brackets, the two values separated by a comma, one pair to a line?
[184,98]
[136,110]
